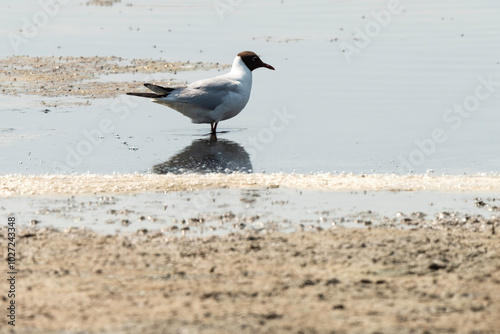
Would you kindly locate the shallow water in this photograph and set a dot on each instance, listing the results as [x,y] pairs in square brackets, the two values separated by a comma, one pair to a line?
[222,211]
[384,105]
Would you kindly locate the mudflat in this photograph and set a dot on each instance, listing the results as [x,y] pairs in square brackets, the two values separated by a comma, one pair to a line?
[420,273]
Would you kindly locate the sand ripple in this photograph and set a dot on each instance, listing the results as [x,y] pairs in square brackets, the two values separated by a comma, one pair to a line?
[15,185]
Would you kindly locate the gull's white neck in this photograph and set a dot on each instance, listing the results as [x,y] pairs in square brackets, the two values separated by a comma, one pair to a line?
[240,70]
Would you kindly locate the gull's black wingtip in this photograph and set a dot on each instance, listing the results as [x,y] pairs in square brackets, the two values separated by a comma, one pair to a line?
[149,95]
[159,89]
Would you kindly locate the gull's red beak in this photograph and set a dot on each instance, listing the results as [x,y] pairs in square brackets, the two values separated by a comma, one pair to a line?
[269,66]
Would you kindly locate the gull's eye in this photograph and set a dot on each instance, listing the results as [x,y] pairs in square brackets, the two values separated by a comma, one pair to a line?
[254,58]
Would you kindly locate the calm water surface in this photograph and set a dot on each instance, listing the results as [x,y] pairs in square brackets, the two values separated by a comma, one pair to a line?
[359,86]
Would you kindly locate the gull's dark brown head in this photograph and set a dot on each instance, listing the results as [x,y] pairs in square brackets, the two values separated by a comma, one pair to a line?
[253,61]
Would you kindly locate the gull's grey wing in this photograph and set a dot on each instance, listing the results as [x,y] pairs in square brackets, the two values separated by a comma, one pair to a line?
[206,94]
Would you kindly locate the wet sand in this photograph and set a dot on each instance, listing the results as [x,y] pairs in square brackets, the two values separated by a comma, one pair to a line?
[422,275]
[82,77]
[11,185]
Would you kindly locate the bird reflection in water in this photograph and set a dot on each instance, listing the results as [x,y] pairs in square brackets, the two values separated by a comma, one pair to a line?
[208,156]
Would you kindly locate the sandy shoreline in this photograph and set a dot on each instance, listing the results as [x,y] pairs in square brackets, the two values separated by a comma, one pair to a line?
[422,275]
[19,185]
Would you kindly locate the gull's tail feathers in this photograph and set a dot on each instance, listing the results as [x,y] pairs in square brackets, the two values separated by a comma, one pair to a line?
[150,95]
[159,91]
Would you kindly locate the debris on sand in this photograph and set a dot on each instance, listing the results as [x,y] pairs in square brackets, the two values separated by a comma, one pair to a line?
[82,76]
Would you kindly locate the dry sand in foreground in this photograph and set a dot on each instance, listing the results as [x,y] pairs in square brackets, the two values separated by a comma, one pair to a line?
[378,280]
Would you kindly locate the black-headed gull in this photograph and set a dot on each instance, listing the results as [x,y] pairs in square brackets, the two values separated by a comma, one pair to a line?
[212,100]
